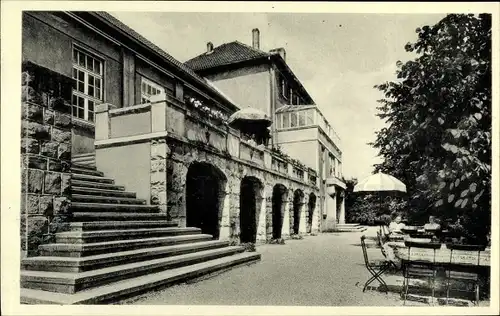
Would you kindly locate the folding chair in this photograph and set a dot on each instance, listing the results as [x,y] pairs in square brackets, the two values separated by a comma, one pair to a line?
[419,269]
[462,272]
[381,243]
[372,268]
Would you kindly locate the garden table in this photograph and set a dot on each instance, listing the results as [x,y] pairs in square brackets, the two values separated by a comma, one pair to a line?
[460,257]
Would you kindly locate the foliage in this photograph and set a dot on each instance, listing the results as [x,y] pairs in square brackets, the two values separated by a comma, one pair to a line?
[206,110]
[371,208]
[438,111]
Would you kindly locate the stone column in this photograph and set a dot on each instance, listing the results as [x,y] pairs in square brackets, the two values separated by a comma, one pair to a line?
[316,217]
[331,212]
[262,216]
[303,220]
[269,211]
[285,229]
[225,227]
[342,211]
[158,184]
[234,212]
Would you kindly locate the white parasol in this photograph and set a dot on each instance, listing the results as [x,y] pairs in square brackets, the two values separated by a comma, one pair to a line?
[380,182]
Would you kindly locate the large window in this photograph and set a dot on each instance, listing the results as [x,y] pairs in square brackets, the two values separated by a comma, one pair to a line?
[87,84]
[148,89]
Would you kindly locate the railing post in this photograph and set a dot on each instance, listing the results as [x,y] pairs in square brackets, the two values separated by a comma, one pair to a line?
[158,113]
[102,124]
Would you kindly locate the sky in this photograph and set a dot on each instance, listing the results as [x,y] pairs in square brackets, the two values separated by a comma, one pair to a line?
[338,57]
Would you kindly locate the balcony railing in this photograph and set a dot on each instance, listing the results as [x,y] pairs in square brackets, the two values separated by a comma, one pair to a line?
[166,115]
[297,116]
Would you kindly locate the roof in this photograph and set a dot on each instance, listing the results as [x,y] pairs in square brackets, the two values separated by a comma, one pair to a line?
[225,54]
[235,53]
[180,66]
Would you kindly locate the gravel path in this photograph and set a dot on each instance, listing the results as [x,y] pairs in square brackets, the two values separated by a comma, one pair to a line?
[323,270]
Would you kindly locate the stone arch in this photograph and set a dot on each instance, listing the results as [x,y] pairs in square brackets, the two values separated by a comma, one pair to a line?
[311,207]
[205,194]
[251,195]
[279,199]
[298,201]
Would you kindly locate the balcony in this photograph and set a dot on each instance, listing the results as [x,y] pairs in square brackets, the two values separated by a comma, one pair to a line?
[167,117]
[290,117]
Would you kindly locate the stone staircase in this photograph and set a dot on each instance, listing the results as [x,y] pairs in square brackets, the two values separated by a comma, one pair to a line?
[118,246]
[349,228]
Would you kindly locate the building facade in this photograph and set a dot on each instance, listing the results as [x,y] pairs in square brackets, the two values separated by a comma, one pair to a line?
[152,124]
[264,81]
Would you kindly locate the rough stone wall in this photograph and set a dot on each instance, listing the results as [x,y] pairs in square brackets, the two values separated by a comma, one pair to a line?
[182,154]
[45,156]
[159,153]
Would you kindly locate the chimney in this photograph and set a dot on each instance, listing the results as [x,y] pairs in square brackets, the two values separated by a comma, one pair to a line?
[281,51]
[210,47]
[256,38]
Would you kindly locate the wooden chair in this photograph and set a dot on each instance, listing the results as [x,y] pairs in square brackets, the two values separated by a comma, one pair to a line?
[381,242]
[468,273]
[419,269]
[376,270]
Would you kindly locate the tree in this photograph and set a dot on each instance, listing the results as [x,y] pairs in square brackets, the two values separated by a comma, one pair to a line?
[438,111]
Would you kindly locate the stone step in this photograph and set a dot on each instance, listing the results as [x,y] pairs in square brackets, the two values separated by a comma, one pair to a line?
[101,192]
[112,292]
[85,163]
[348,225]
[91,178]
[70,283]
[80,170]
[109,207]
[83,250]
[74,237]
[90,226]
[91,154]
[105,199]
[96,185]
[350,230]
[80,216]
[83,166]
[81,264]
[83,160]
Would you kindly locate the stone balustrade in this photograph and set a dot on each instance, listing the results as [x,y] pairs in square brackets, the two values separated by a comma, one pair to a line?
[167,115]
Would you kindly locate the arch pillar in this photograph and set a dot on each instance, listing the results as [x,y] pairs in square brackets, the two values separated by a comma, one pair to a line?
[262,217]
[302,218]
[225,222]
[288,206]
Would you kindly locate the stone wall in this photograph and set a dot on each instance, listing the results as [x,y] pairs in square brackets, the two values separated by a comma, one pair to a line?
[183,153]
[45,155]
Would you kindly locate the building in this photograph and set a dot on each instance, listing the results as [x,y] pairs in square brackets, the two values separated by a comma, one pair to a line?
[127,152]
[264,81]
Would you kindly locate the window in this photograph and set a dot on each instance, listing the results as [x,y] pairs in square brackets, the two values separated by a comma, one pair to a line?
[279,120]
[293,120]
[302,118]
[309,117]
[286,120]
[87,85]
[149,88]
[283,88]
